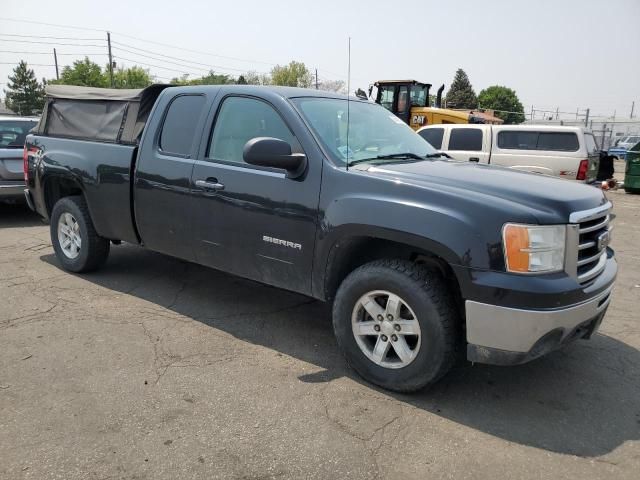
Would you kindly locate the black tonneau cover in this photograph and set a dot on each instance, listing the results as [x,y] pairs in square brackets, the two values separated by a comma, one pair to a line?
[98,114]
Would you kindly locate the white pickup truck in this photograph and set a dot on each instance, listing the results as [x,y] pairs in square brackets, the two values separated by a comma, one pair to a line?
[565,152]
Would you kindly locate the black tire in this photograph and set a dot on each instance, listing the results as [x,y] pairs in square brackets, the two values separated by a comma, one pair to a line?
[434,307]
[94,249]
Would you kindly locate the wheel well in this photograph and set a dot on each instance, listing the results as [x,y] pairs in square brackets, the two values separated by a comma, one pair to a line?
[351,253]
[56,188]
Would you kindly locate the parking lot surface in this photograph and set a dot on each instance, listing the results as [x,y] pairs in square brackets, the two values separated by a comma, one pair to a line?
[154,368]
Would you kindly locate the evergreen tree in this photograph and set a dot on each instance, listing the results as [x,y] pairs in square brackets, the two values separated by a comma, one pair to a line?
[24,95]
[461,94]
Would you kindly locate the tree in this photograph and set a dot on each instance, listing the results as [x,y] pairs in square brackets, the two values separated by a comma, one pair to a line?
[213,78]
[133,77]
[296,74]
[337,86]
[255,78]
[24,94]
[502,98]
[84,73]
[461,94]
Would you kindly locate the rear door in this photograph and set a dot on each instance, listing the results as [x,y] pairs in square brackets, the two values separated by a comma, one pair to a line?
[163,174]
[468,144]
[248,220]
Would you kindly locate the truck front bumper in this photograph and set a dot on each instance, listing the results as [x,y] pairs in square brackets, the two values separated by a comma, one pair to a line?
[511,336]
[512,319]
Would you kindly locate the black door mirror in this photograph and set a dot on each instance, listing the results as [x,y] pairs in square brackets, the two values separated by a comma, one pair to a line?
[275,153]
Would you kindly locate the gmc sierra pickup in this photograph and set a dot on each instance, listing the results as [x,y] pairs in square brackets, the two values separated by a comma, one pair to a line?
[336,199]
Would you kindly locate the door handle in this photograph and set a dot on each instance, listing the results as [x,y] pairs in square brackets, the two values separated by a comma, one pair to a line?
[474,159]
[210,184]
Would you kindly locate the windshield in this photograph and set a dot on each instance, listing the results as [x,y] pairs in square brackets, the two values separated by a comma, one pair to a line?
[633,140]
[373,131]
[13,132]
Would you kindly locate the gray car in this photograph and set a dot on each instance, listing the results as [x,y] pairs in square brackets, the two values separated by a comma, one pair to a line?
[13,131]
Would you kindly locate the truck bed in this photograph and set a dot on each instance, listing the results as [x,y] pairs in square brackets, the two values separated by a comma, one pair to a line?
[104,170]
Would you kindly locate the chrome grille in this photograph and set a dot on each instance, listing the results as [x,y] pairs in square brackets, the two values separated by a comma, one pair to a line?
[591,234]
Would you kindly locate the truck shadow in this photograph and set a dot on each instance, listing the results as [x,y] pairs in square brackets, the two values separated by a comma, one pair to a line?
[580,401]
[18,216]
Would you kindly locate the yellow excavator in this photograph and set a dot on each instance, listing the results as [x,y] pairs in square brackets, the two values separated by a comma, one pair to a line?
[409,101]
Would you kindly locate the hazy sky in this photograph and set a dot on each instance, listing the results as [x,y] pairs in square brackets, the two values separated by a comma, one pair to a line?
[560,53]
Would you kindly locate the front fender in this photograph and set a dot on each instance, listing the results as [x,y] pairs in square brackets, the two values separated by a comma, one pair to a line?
[451,234]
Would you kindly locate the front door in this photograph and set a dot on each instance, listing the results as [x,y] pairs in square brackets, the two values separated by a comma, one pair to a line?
[248,220]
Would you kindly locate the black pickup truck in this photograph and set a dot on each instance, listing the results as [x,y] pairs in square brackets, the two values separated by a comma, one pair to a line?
[422,257]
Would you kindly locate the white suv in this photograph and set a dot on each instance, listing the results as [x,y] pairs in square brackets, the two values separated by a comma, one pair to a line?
[566,152]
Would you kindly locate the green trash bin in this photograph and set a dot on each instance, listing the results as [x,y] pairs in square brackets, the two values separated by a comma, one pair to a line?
[632,172]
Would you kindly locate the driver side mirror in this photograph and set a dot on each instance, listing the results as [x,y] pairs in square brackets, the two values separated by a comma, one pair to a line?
[274,153]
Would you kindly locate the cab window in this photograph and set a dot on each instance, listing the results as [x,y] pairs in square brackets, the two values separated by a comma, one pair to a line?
[179,127]
[418,96]
[386,96]
[465,139]
[239,120]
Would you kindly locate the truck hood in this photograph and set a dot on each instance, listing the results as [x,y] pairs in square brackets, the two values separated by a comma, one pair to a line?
[548,199]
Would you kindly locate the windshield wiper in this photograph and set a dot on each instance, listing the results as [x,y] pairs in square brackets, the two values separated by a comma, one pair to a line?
[402,155]
[390,156]
[438,155]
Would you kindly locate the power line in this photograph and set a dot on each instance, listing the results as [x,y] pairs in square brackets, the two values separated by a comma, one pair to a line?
[156,66]
[49,53]
[45,36]
[30,64]
[136,38]
[51,43]
[50,24]
[208,65]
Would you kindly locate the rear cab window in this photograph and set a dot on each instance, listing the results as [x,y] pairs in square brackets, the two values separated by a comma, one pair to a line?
[465,139]
[179,126]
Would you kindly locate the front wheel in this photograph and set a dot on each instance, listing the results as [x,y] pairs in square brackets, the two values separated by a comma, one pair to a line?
[396,324]
[77,245]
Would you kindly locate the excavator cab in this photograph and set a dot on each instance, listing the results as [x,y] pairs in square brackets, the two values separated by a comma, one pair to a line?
[409,101]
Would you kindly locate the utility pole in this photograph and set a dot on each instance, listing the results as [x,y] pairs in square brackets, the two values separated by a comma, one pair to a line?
[532,113]
[557,112]
[586,118]
[110,59]
[633,104]
[604,133]
[316,79]
[55,59]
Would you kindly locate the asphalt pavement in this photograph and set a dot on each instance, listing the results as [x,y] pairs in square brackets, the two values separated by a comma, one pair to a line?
[154,368]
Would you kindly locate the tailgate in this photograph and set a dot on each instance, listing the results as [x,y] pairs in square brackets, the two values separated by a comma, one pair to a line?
[11,164]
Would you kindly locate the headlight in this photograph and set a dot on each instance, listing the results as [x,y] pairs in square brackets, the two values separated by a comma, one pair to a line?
[534,248]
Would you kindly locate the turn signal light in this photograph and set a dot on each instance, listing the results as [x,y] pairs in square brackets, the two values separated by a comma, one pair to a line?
[534,248]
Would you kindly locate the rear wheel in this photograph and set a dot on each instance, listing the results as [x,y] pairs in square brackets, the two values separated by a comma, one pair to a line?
[77,245]
[396,324]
